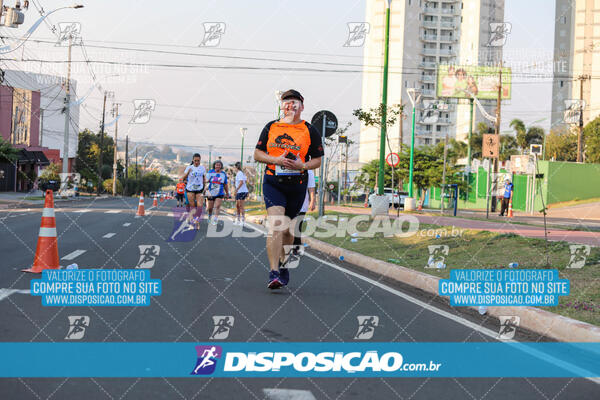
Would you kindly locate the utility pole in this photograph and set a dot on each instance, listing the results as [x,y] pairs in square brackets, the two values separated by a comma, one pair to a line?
[126,164]
[65,164]
[210,147]
[101,144]
[116,115]
[136,169]
[581,78]
[444,172]
[497,132]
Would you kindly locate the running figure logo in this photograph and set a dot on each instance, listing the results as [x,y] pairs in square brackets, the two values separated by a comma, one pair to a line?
[212,34]
[207,359]
[366,326]
[579,253]
[499,33]
[223,324]
[437,256]
[142,109]
[148,254]
[357,33]
[77,326]
[183,226]
[508,327]
[66,31]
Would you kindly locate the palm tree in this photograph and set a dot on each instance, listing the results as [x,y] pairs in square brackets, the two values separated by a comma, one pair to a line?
[521,133]
[527,136]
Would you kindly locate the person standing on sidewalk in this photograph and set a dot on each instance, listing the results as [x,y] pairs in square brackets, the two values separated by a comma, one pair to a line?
[290,147]
[508,193]
[241,193]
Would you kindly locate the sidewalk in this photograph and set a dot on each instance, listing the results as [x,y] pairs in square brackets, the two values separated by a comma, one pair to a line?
[33,198]
[497,224]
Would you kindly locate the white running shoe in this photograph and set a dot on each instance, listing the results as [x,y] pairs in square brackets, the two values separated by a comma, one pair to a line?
[214,221]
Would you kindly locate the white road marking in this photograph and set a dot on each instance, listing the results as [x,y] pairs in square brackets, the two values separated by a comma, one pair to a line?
[488,332]
[288,394]
[83,211]
[112,212]
[73,255]
[170,214]
[109,235]
[127,224]
[4,293]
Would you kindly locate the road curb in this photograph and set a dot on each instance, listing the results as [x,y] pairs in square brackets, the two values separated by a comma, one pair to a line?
[540,321]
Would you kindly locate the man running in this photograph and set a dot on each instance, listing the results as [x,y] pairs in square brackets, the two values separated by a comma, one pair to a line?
[289,147]
[180,189]
[241,193]
[196,179]
[216,190]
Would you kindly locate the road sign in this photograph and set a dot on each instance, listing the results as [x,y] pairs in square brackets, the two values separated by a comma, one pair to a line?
[573,109]
[393,159]
[331,122]
[535,149]
[491,145]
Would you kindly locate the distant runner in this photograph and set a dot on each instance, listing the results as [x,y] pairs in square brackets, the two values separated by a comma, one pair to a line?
[216,191]
[180,189]
[241,193]
[196,179]
[289,147]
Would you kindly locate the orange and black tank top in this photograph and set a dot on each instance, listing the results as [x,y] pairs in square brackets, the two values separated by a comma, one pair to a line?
[280,138]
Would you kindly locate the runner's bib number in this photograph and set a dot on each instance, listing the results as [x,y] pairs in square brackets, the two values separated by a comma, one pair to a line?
[196,187]
[279,170]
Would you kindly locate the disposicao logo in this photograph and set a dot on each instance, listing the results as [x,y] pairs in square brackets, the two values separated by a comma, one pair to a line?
[207,359]
[307,361]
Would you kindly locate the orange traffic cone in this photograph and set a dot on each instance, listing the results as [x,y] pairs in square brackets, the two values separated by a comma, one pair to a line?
[155,203]
[162,198]
[46,253]
[420,207]
[510,213]
[140,211]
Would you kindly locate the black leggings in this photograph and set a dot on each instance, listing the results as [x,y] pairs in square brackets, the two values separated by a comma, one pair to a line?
[298,239]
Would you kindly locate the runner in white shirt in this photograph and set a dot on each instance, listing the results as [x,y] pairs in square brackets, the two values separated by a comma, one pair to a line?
[196,180]
[241,193]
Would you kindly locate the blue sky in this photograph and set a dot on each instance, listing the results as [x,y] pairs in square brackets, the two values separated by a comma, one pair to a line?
[216,103]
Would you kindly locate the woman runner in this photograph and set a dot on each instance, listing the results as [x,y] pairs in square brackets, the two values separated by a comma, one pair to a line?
[196,180]
[216,190]
[241,193]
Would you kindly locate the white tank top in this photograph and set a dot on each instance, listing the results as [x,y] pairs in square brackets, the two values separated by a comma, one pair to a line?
[195,177]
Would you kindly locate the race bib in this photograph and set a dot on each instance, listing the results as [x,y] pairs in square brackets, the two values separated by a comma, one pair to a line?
[279,170]
[196,187]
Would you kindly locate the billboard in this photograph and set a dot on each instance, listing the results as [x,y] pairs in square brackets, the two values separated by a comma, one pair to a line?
[21,117]
[472,80]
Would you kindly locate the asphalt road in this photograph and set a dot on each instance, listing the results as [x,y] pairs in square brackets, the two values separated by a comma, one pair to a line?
[227,276]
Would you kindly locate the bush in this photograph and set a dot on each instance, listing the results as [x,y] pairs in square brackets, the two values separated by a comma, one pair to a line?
[108,185]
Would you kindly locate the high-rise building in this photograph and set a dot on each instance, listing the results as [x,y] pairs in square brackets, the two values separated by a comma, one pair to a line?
[576,56]
[424,34]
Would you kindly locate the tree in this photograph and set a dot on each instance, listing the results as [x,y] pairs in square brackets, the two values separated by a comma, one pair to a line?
[8,154]
[521,133]
[88,153]
[508,147]
[591,137]
[527,136]
[561,145]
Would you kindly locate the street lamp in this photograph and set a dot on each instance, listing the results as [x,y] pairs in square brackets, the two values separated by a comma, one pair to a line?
[243,132]
[381,175]
[414,96]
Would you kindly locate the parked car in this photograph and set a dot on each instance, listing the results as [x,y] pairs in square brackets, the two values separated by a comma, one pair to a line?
[395,198]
